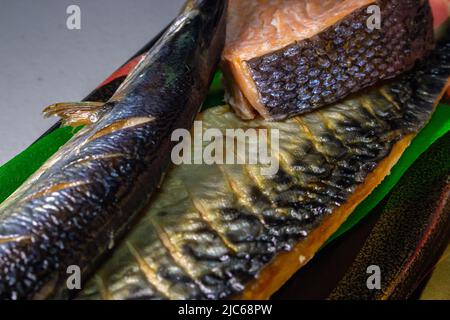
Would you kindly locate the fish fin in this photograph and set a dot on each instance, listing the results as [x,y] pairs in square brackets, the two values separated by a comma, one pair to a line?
[76,113]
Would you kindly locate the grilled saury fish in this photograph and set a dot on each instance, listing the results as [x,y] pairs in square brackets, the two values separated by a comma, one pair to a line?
[81,201]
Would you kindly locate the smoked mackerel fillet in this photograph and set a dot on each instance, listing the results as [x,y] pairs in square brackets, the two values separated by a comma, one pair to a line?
[287,57]
[227,231]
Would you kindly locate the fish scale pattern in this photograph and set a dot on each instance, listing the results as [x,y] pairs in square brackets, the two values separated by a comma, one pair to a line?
[73,209]
[342,59]
[212,228]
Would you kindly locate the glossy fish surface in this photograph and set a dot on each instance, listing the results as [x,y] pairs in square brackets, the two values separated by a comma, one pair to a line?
[410,235]
[73,210]
[227,231]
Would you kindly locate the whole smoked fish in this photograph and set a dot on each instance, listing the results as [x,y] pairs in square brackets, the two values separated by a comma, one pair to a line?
[77,205]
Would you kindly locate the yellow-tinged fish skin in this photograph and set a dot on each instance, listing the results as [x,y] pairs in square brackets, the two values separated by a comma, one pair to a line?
[220,231]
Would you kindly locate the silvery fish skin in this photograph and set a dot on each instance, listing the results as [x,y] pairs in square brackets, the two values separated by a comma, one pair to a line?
[213,230]
[72,211]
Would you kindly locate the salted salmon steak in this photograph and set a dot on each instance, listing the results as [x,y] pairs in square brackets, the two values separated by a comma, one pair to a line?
[287,57]
[228,231]
[76,206]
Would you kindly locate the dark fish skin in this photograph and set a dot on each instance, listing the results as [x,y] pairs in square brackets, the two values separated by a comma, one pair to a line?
[410,233]
[83,199]
[213,230]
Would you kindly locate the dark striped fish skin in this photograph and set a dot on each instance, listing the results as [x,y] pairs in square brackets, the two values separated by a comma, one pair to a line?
[212,230]
[74,209]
